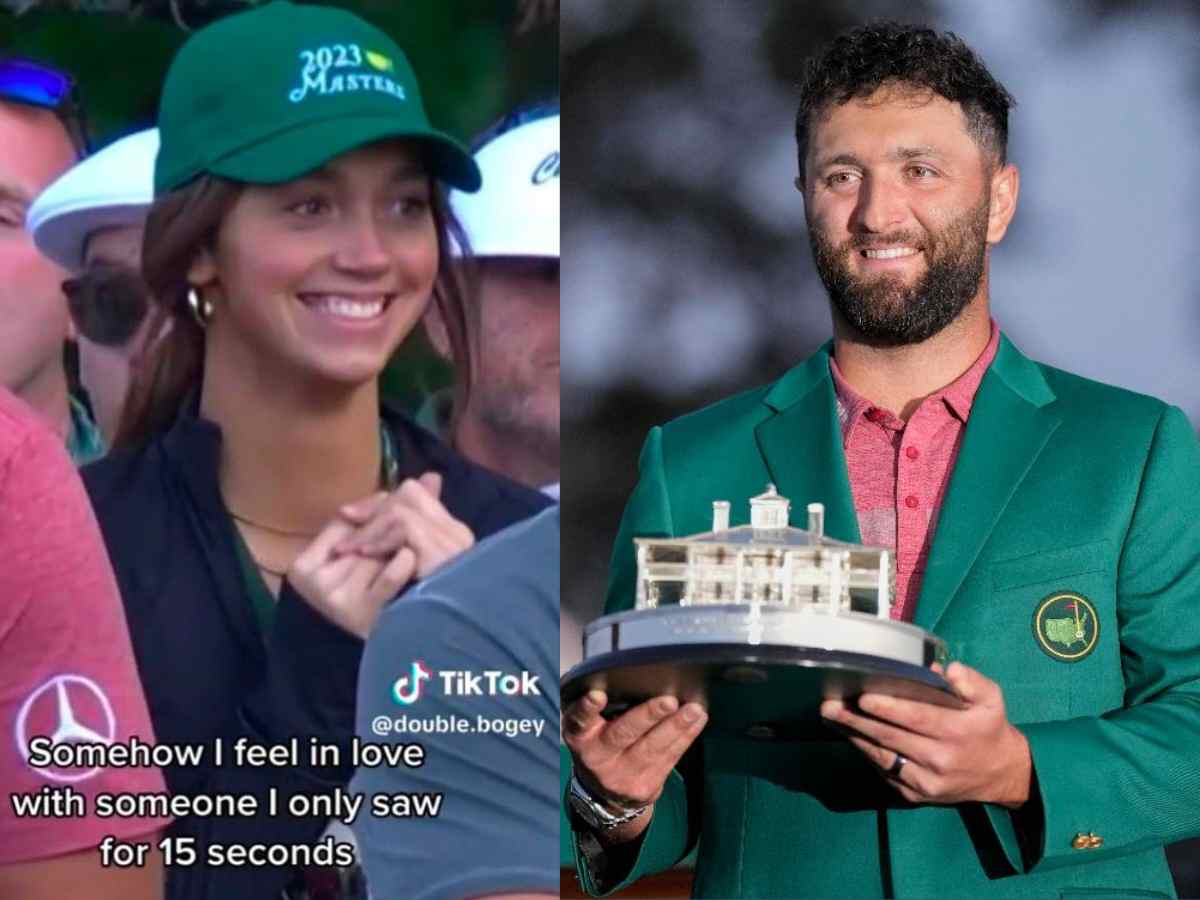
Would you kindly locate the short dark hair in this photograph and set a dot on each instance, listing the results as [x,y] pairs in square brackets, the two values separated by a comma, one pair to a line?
[861,60]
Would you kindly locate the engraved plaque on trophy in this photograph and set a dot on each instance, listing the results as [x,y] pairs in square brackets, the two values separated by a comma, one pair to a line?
[759,623]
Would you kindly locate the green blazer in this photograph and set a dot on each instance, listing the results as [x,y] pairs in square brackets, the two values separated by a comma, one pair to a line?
[1062,485]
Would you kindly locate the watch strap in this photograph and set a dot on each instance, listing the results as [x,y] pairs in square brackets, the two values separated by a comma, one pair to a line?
[594,812]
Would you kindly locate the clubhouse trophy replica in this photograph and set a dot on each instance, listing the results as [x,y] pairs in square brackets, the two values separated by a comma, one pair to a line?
[759,623]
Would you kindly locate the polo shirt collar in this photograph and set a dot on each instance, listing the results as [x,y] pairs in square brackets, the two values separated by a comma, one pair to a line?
[958,396]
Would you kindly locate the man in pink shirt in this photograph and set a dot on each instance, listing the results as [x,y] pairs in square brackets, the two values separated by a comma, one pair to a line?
[899,469]
[66,672]
[1047,527]
[42,136]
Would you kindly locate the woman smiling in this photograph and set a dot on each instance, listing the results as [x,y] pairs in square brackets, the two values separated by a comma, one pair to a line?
[261,507]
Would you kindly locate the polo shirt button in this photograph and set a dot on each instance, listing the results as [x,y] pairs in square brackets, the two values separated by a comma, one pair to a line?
[911,501]
[912,452]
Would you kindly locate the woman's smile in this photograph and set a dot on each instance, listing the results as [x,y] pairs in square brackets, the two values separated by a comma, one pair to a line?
[350,306]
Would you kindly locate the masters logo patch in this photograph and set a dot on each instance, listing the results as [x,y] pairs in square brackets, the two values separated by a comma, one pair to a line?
[1066,627]
[379,61]
[339,69]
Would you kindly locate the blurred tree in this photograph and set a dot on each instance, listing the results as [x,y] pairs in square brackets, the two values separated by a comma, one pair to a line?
[487,54]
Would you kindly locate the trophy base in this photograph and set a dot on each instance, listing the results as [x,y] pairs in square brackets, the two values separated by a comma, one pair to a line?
[765,692]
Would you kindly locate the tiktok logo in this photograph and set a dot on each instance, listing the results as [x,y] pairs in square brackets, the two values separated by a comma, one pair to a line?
[407,690]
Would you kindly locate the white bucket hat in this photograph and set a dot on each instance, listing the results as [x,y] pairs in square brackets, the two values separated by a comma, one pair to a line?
[111,188]
[515,213]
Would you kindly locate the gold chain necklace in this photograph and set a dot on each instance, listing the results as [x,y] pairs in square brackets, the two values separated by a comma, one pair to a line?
[389,476]
[246,520]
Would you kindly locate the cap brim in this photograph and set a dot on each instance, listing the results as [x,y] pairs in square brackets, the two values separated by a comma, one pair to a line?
[61,234]
[296,151]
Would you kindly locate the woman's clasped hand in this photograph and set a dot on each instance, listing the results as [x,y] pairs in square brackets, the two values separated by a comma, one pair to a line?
[366,556]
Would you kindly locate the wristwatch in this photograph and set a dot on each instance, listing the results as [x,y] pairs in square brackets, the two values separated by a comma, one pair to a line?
[596,813]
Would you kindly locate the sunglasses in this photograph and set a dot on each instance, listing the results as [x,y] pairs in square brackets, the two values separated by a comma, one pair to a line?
[108,303]
[34,84]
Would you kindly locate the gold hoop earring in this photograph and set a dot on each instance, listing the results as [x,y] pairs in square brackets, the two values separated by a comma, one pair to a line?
[202,309]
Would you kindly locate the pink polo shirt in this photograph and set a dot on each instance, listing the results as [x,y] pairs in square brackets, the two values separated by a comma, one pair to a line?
[899,471]
[66,664]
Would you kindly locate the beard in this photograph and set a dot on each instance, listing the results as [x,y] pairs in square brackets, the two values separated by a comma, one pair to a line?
[887,312]
[525,412]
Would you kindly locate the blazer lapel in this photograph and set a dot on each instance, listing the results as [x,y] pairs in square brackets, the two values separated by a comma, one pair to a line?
[802,446]
[1011,420]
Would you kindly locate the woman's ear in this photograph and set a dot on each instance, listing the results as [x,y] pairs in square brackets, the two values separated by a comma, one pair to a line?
[203,270]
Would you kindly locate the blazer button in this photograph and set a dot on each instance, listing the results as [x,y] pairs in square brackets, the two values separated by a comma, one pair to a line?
[1094,841]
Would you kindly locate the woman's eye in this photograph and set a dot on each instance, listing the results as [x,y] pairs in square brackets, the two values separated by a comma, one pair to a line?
[411,206]
[311,206]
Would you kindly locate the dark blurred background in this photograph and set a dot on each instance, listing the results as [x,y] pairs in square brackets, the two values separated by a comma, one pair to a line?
[689,274]
[474,59]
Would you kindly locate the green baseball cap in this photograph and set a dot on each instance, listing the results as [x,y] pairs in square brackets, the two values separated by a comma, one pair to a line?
[267,95]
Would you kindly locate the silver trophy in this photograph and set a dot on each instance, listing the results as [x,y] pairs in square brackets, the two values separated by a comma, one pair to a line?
[759,623]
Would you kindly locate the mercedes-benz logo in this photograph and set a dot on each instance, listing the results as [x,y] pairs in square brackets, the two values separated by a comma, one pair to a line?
[68,702]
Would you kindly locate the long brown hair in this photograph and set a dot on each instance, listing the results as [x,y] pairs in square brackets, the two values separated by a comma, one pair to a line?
[178,225]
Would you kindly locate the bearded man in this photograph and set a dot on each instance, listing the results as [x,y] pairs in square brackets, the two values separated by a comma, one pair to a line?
[1010,492]
[509,420]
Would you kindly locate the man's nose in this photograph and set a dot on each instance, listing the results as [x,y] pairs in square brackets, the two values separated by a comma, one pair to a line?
[881,206]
